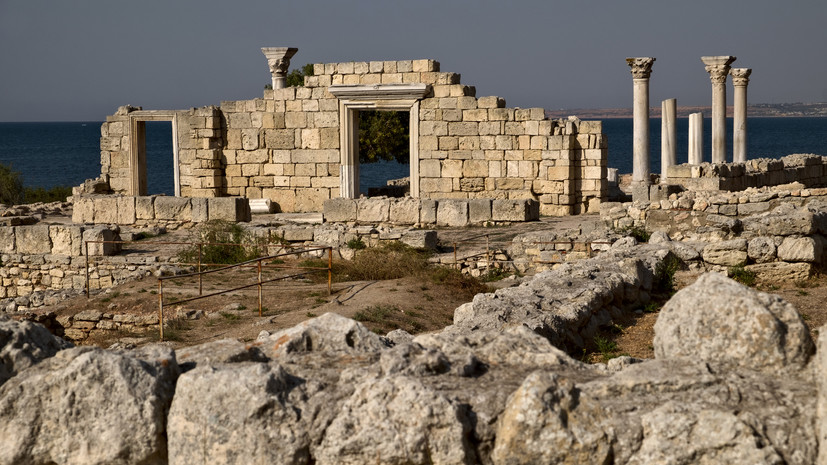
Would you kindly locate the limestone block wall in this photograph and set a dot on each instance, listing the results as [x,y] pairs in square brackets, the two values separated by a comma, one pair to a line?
[286,146]
[198,139]
[809,170]
[171,212]
[57,239]
[24,275]
[425,212]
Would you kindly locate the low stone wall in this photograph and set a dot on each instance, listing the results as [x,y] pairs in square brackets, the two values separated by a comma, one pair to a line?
[442,212]
[57,239]
[780,233]
[24,276]
[172,212]
[807,169]
[88,323]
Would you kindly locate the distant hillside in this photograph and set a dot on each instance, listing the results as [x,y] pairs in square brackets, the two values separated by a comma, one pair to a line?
[758,110]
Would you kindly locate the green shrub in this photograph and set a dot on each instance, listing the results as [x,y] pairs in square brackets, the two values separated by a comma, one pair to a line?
[640,234]
[356,244]
[54,194]
[664,282]
[742,275]
[11,186]
[222,235]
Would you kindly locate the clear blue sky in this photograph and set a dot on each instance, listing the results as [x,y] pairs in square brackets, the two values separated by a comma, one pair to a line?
[80,60]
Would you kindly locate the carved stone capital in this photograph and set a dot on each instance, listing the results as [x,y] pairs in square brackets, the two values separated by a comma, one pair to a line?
[718,67]
[740,76]
[278,60]
[641,66]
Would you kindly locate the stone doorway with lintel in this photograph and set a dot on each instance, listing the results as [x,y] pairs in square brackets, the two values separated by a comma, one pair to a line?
[376,97]
[137,148]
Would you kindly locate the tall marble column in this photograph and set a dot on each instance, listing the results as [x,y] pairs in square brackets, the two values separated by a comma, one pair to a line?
[718,69]
[668,136]
[641,69]
[696,138]
[740,79]
[278,59]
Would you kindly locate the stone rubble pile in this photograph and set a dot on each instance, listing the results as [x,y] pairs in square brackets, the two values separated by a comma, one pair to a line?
[330,391]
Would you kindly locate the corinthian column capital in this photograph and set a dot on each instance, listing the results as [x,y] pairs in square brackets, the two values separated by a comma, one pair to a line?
[641,66]
[718,67]
[740,76]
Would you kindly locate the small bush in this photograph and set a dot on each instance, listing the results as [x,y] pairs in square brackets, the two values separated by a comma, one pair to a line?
[356,244]
[742,275]
[664,281]
[223,236]
[375,313]
[640,234]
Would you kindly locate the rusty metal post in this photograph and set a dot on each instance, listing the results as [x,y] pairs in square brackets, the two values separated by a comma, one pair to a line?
[200,280]
[487,255]
[161,308]
[456,263]
[329,270]
[86,245]
[259,287]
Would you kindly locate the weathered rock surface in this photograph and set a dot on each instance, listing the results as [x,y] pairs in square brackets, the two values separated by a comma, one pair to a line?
[568,304]
[89,406]
[717,319]
[329,391]
[23,344]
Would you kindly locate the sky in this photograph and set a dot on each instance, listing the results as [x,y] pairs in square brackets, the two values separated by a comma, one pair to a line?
[80,60]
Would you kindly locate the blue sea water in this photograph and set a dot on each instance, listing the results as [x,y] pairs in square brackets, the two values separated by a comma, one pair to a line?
[67,153]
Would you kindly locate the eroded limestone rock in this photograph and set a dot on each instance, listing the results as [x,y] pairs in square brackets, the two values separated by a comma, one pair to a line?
[717,319]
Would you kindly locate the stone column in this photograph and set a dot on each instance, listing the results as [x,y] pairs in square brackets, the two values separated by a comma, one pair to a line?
[641,69]
[668,136]
[718,69]
[740,79]
[278,59]
[696,138]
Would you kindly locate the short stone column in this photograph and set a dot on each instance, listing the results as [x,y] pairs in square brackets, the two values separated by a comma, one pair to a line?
[718,69]
[668,136]
[696,138]
[641,69]
[740,79]
[278,59]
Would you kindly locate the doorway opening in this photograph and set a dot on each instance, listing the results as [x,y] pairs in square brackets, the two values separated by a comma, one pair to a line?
[153,153]
[384,153]
[160,165]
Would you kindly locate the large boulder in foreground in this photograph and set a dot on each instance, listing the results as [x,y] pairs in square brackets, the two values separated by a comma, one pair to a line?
[89,406]
[23,344]
[717,319]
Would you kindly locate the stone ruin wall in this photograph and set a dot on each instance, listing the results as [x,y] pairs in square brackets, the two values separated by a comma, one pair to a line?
[286,146]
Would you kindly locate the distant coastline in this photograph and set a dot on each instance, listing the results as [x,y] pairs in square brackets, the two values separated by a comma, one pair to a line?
[774,110]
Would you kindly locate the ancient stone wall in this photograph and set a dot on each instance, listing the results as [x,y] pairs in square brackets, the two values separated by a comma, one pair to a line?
[170,212]
[288,145]
[809,170]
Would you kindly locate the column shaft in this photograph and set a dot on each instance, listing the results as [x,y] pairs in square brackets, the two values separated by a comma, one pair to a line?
[718,69]
[668,137]
[740,79]
[696,138]
[640,131]
[719,122]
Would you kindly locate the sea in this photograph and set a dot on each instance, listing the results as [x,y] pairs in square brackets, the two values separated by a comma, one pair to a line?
[67,153]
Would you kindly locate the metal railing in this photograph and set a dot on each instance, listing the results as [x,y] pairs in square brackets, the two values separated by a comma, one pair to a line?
[199,273]
[257,263]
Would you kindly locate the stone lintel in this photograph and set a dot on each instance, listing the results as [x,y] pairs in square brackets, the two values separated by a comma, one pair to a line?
[641,66]
[379,91]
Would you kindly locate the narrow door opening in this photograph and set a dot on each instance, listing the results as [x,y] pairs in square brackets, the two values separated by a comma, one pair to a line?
[160,159]
[384,153]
